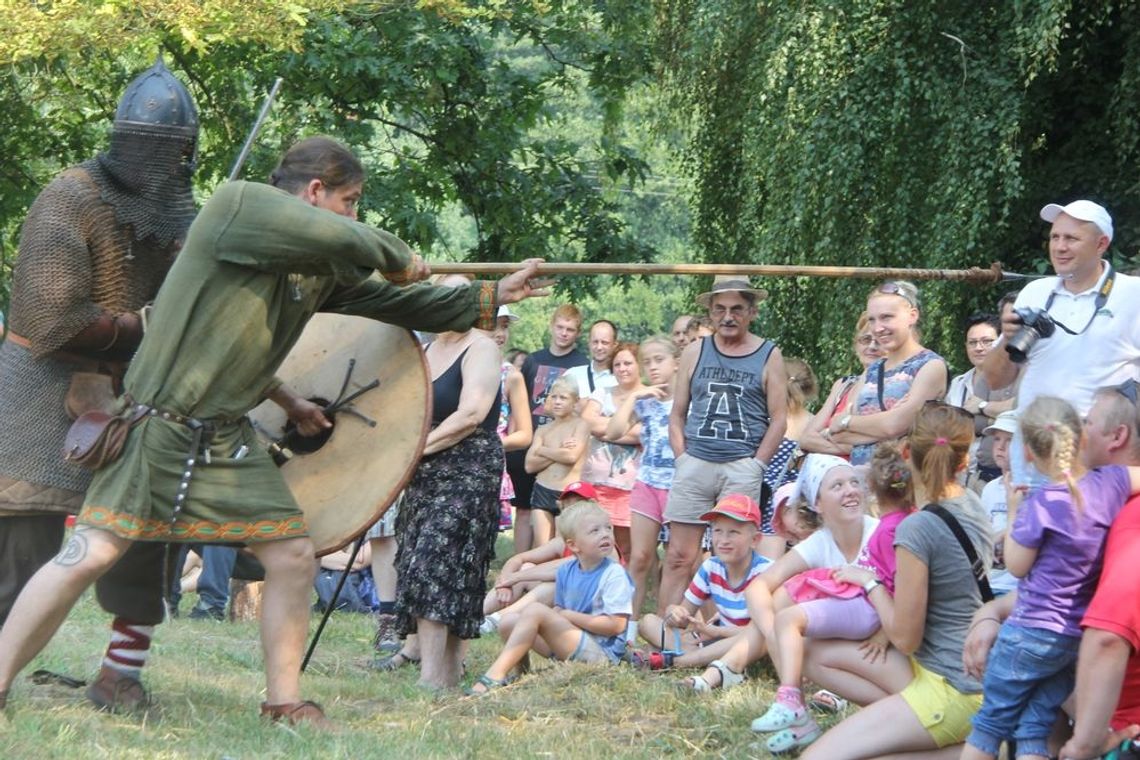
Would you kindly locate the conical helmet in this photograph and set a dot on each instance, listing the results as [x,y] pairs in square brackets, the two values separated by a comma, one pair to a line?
[146,171]
[156,98]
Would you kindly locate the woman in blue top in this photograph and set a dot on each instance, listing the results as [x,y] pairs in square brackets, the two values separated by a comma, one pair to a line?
[896,386]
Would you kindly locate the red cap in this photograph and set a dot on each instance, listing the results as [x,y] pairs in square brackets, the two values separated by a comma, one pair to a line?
[738,507]
[578,488]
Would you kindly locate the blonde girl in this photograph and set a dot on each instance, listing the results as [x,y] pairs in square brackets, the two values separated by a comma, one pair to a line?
[647,414]
[833,604]
[918,700]
[895,387]
[1054,545]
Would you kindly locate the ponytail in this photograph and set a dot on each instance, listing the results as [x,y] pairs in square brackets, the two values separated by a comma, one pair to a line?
[939,443]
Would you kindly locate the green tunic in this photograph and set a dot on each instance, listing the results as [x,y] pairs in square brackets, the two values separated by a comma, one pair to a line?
[256,265]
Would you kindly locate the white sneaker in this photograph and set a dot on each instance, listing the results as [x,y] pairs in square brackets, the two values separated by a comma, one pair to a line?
[490,624]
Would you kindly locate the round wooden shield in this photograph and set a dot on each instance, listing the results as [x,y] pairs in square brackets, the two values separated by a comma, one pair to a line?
[346,478]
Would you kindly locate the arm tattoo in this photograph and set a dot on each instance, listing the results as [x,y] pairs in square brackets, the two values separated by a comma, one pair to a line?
[74,552]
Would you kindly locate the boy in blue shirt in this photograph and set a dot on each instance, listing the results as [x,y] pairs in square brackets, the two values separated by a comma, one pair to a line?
[593,599]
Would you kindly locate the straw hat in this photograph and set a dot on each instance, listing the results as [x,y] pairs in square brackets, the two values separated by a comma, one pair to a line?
[727,283]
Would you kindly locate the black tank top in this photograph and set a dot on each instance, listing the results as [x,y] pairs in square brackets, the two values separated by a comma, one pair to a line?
[445,391]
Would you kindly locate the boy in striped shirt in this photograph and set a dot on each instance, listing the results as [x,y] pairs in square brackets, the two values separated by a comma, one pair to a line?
[683,638]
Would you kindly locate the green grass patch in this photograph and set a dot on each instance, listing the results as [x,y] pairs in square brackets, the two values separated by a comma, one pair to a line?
[207,680]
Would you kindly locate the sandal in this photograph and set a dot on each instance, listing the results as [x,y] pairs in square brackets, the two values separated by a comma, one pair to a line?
[650,660]
[489,684]
[393,662]
[728,677]
[779,717]
[828,702]
[796,737]
[295,713]
[700,684]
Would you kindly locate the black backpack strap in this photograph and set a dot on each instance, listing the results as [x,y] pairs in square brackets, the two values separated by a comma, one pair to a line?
[882,371]
[976,565]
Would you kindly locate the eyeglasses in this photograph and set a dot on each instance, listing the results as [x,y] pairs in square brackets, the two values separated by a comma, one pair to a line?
[865,340]
[736,311]
[900,289]
[980,343]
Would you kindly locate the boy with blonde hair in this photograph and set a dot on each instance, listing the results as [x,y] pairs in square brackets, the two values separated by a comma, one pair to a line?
[555,456]
[685,640]
[593,599]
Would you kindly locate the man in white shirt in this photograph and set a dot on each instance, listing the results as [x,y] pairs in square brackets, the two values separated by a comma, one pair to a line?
[596,374]
[1096,341]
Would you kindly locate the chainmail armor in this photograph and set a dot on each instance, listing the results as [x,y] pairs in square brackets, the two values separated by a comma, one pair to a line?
[75,262]
[145,176]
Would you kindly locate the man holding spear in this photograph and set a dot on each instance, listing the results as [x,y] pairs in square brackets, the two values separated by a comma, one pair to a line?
[257,263]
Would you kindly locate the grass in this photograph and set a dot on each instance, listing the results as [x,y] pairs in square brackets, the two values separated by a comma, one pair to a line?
[207,678]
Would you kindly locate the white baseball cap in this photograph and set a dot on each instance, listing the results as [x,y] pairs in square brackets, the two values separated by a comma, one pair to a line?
[1005,422]
[1086,211]
[505,312]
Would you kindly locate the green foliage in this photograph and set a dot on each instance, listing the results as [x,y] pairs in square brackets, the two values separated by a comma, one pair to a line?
[449,104]
[895,133]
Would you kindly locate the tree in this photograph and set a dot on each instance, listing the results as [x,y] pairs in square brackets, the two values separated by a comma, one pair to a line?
[444,100]
[894,133]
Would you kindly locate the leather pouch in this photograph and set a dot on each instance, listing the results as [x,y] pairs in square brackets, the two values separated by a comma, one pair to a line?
[96,438]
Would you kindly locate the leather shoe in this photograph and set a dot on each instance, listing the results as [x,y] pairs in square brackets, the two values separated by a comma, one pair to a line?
[118,693]
[307,712]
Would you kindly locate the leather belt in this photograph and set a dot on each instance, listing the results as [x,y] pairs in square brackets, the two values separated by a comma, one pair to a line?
[83,362]
[201,434]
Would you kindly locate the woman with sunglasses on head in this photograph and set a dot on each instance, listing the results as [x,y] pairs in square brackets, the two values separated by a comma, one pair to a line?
[813,439]
[896,386]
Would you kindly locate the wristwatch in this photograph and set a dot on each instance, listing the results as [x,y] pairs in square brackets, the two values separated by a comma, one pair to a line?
[982,406]
[845,421]
[870,586]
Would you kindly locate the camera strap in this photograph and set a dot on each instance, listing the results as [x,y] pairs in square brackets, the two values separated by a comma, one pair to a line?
[1101,300]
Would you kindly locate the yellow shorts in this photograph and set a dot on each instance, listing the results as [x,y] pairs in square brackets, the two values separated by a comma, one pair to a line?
[943,711]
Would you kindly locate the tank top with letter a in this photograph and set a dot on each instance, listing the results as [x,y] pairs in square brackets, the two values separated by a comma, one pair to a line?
[728,409]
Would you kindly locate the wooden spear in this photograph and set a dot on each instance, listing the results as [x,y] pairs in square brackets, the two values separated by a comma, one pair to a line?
[992,275]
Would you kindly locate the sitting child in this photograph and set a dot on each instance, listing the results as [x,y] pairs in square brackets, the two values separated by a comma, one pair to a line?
[556,456]
[593,599]
[528,576]
[1055,545]
[722,578]
[831,603]
[792,521]
[994,498]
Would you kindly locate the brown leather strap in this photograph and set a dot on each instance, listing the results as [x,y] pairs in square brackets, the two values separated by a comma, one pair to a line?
[81,362]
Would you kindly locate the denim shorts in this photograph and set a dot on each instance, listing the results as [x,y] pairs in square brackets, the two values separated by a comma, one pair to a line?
[1029,674]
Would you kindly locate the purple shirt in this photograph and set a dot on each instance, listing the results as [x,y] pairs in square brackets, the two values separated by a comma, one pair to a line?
[1070,548]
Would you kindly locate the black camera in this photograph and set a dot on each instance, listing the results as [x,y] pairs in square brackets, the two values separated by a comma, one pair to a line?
[1035,325]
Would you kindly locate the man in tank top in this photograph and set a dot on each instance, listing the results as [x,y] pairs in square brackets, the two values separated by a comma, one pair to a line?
[729,415]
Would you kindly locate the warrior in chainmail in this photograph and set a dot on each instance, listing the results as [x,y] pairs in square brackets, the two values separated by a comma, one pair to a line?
[94,250]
